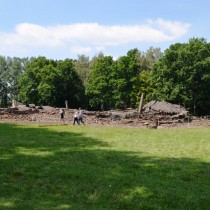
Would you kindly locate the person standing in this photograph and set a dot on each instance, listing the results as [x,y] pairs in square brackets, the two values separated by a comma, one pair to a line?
[81,116]
[62,113]
[76,117]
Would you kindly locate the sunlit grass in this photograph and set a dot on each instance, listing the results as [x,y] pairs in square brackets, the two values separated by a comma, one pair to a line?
[83,167]
[33,152]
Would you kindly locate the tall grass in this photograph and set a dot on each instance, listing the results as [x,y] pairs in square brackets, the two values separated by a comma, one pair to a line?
[103,168]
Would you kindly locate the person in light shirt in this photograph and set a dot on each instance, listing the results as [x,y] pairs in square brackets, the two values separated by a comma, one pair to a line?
[80,118]
[76,117]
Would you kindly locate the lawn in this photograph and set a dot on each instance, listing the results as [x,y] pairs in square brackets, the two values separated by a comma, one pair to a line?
[103,168]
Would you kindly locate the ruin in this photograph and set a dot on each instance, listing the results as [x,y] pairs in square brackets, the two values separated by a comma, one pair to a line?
[155,114]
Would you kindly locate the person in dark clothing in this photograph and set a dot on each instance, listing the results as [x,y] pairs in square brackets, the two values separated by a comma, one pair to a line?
[62,113]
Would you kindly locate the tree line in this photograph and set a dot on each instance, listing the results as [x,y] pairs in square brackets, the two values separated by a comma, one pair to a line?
[180,75]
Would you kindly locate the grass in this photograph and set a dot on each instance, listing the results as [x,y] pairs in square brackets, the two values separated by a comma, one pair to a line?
[103,168]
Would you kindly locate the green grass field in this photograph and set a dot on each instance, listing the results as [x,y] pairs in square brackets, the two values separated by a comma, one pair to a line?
[103,168]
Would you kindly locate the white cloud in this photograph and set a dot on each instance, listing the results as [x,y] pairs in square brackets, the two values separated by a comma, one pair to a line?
[87,37]
[174,29]
[80,50]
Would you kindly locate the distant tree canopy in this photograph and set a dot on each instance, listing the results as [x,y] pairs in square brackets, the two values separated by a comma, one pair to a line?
[182,76]
[99,89]
[118,84]
[10,70]
[49,82]
[82,67]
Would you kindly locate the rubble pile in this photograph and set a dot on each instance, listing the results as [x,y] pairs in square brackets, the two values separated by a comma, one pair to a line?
[155,114]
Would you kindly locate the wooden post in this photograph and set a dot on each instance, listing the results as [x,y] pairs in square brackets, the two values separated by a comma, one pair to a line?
[141,103]
[66,103]
[14,103]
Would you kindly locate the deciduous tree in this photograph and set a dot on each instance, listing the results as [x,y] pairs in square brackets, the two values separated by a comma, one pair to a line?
[182,75]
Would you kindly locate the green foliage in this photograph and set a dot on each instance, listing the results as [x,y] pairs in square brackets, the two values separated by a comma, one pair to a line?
[82,67]
[50,82]
[10,70]
[182,75]
[131,77]
[16,67]
[111,84]
[118,84]
[69,85]
[126,79]
[3,81]
[99,88]
[31,82]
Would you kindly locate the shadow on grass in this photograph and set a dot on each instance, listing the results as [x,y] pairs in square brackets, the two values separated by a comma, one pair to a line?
[43,169]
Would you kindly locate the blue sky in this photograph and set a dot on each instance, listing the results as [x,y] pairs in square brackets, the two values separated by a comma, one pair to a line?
[60,29]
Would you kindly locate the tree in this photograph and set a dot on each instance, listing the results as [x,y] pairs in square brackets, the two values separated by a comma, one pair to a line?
[3,81]
[10,71]
[182,75]
[69,85]
[118,84]
[125,79]
[50,82]
[29,82]
[82,67]
[146,61]
[99,87]
[16,67]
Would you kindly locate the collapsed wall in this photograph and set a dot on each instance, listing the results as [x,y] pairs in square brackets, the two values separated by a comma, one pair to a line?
[166,113]
[164,107]
[154,113]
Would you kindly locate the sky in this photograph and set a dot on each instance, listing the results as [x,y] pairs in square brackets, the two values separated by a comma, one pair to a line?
[60,29]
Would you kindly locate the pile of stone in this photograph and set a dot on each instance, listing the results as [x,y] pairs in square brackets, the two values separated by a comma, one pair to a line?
[165,113]
[153,114]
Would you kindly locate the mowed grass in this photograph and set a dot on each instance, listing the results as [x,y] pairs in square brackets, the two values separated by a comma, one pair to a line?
[103,168]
